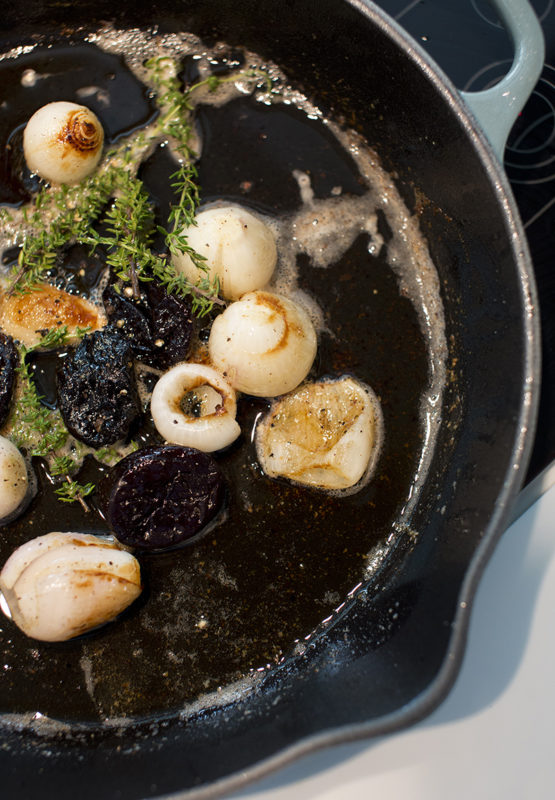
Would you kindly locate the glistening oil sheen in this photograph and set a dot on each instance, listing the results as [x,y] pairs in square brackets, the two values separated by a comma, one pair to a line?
[285,557]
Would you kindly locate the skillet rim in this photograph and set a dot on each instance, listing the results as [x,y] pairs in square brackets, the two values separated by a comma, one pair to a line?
[426,701]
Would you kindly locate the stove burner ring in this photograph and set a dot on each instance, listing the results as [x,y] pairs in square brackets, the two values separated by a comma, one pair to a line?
[530,153]
[485,11]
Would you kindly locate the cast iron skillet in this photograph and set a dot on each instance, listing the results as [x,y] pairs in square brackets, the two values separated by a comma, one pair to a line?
[354,681]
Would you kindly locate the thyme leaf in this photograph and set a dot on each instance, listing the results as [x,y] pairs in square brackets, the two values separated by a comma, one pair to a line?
[34,427]
[72,492]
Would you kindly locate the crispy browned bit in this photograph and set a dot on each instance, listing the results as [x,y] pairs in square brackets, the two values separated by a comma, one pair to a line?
[97,393]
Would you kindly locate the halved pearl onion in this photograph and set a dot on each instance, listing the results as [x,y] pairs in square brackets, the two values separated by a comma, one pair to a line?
[14,482]
[62,142]
[26,316]
[239,249]
[194,406]
[264,344]
[326,434]
[61,585]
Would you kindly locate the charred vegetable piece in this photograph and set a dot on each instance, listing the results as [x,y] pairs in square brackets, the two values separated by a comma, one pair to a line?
[97,393]
[172,320]
[158,326]
[8,363]
[132,319]
[160,497]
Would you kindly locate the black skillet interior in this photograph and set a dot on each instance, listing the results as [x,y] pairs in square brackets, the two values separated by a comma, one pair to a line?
[383,662]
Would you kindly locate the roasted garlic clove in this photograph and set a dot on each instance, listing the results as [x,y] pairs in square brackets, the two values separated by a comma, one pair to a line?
[62,142]
[61,585]
[193,405]
[239,248]
[27,316]
[14,482]
[326,435]
[264,344]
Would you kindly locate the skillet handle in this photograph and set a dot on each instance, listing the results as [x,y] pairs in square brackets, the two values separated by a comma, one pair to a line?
[497,108]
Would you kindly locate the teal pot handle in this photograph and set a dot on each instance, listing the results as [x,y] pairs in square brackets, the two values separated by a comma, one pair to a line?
[496,109]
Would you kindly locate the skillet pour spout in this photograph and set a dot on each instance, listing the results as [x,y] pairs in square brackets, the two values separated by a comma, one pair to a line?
[393,652]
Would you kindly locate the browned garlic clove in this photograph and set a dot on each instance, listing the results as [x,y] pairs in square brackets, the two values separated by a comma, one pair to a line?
[61,585]
[326,434]
[264,344]
[26,316]
[62,142]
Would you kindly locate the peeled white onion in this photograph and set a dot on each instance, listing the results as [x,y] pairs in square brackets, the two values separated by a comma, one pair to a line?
[14,482]
[194,406]
[326,434]
[61,585]
[26,316]
[239,249]
[62,142]
[264,344]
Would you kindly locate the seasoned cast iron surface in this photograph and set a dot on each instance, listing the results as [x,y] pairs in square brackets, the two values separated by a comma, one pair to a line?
[285,557]
[383,664]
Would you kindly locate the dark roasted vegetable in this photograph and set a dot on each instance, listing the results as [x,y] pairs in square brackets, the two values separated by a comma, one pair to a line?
[162,496]
[132,318]
[159,326]
[8,363]
[97,393]
[172,320]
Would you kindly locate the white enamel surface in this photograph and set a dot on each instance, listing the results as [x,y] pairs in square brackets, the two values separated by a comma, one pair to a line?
[47,149]
[60,585]
[324,434]
[264,344]
[13,478]
[216,426]
[239,249]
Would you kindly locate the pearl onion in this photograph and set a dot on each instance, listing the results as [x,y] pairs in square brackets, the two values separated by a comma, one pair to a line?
[194,406]
[326,435]
[239,249]
[14,482]
[60,585]
[264,344]
[62,142]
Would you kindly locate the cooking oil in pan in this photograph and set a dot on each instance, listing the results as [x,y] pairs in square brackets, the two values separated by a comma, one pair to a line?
[239,601]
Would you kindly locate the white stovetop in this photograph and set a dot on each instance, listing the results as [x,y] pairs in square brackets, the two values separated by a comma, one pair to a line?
[493,738]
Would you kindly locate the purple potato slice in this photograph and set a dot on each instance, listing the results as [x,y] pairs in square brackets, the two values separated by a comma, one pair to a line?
[172,321]
[160,497]
[131,318]
[97,392]
[158,325]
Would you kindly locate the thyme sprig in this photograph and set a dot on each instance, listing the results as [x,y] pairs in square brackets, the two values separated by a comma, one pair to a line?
[176,123]
[62,215]
[35,427]
[40,430]
[72,492]
[71,210]
[130,227]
